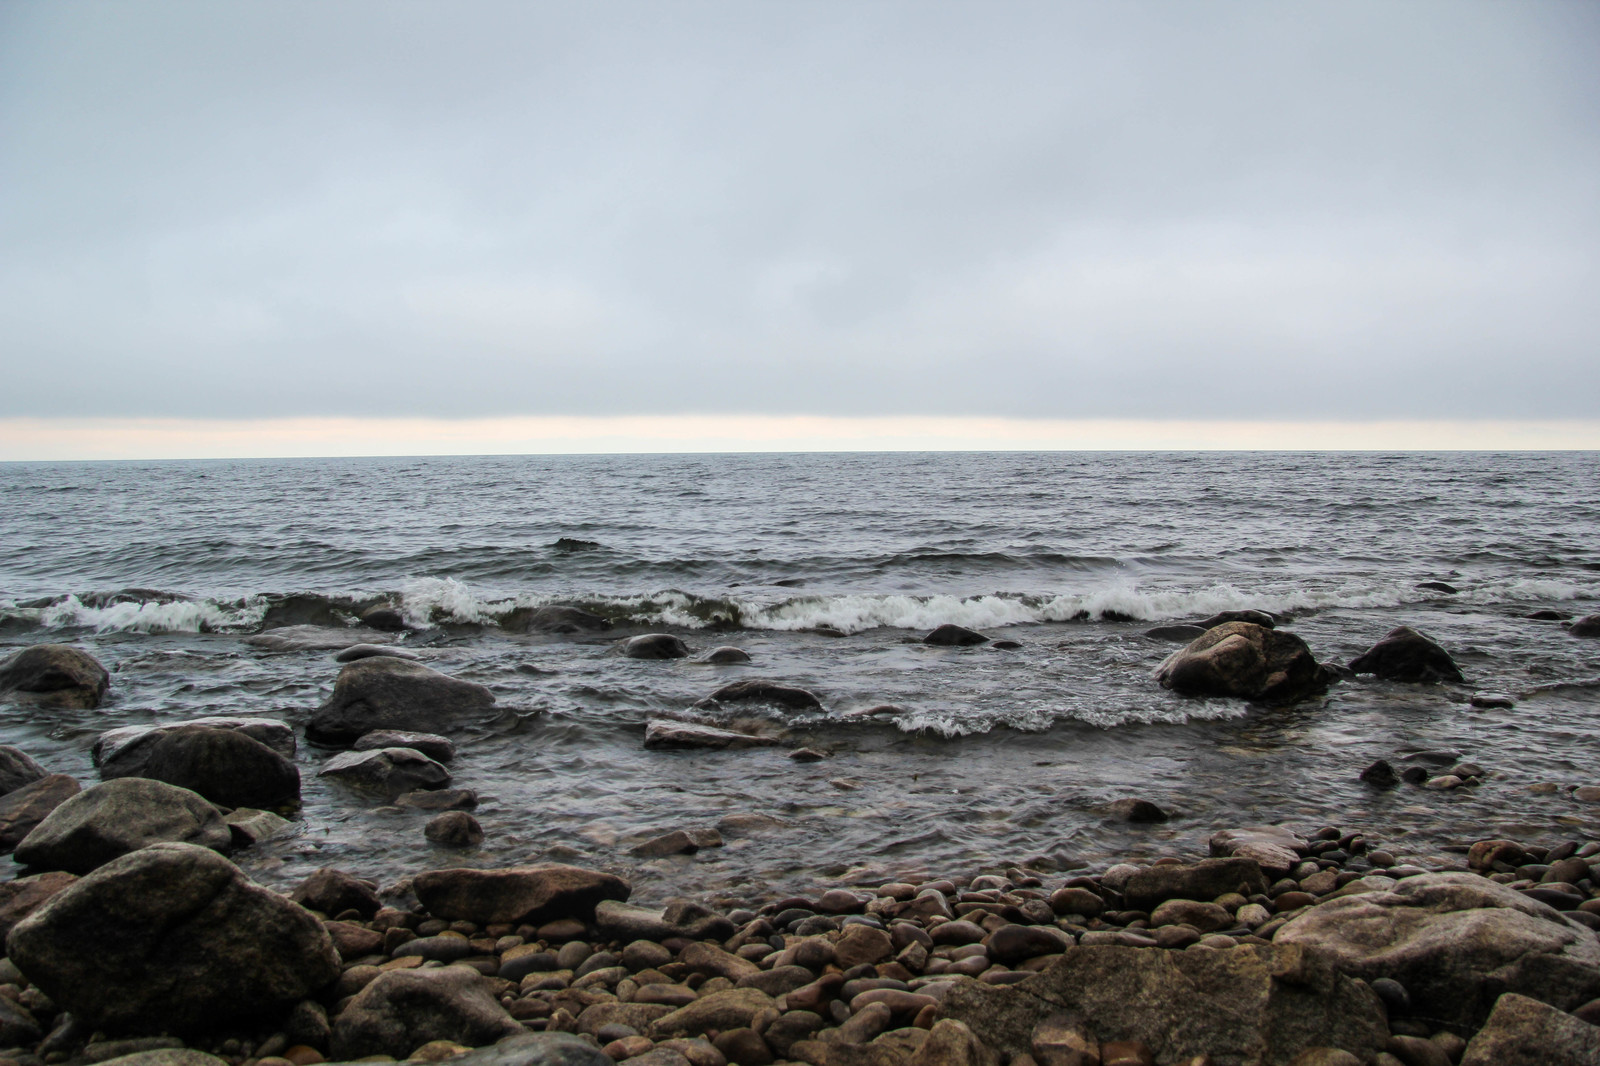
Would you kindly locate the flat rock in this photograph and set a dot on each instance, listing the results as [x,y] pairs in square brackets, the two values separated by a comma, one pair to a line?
[654,646]
[54,675]
[1406,655]
[114,818]
[1525,1032]
[125,752]
[1177,634]
[439,749]
[390,771]
[23,809]
[387,693]
[732,1008]
[172,937]
[758,691]
[663,733]
[1246,661]
[444,799]
[370,651]
[954,636]
[532,895]
[1275,848]
[403,1009]
[1205,880]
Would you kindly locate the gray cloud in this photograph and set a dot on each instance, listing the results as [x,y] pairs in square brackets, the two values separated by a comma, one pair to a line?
[1353,210]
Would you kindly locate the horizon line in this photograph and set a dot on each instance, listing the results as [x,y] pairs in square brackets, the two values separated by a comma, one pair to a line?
[69,439]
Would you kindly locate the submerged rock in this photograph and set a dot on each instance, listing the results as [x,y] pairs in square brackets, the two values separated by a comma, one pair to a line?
[950,635]
[56,675]
[1247,661]
[1587,626]
[727,654]
[385,693]
[434,746]
[125,752]
[172,938]
[333,891]
[654,646]
[384,617]
[226,767]
[1406,655]
[661,733]
[796,699]
[373,651]
[391,771]
[533,894]
[1380,775]
[454,829]
[553,618]
[1180,634]
[112,819]
[1260,618]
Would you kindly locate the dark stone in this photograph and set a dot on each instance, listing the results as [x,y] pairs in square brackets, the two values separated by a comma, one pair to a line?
[1247,661]
[1006,645]
[17,768]
[1414,775]
[435,747]
[1439,586]
[1380,775]
[1548,615]
[387,771]
[537,1049]
[654,646]
[454,829]
[384,618]
[22,897]
[1203,880]
[1013,943]
[224,766]
[22,810]
[386,693]
[1525,1032]
[1406,655]
[726,655]
[172,937]
[18,1026]
[553,618]
[444,799]
[1137,812]
[372,651]
[403,1009]
[125,752]
[954,636]
[796,699]
[661,733]
[334,891]
[111,819]
[55,675]
[1587,626]
[305,609]
[1222,618]
[1394,995]
[531,895]
[1178,634]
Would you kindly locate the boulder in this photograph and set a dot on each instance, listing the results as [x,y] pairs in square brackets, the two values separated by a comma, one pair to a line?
[371,651]
[553,618]
[225,766]
[388,771]
[727,654]
[1256,1003]
[439,749]
[1406,655]
[124,752]
[654,646]
[1275,848]
[250,826]
[21,811]
[173,938]
[1260,618]
[532,894]
[333,891]
[17,768]
[387,693]
[662,733]
[758,691]
[1587,626]
[54,675]
[22,897]
[454,829]
[954,636]
[111,819]
[1525,1032]
[1247,661]
[1455,941]
[1152,885]
[385,618]
[403,1009]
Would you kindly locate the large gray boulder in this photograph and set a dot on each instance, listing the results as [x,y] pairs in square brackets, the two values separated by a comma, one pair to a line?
[1256,1004]
[111,819]
[1406,655]
[225,766]
[22,811]
[532,894]
[125,751]
[1247,661]
[385,693]
[17,768]
[1524,1032]
[172,938]
[54,675]
[390,771]
[1456,941]
[403,1009]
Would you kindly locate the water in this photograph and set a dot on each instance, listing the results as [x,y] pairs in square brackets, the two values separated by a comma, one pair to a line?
[827,569]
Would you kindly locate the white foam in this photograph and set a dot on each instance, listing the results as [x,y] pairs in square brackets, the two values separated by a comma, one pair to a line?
[178,616]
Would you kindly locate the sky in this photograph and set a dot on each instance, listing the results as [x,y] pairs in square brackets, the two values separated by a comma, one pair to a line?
[223,226]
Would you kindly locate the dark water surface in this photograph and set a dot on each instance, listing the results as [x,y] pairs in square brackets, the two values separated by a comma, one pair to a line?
[826,569]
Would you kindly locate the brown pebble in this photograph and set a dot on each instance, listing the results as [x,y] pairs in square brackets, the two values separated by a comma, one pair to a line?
[301,1055]
[1291,900]
[628,1047]
[1126,1053]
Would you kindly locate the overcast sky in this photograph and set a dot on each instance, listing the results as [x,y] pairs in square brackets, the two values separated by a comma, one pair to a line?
[1119,210]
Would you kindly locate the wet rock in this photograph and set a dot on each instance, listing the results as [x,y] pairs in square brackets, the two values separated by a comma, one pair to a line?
[1137,812]
[372,651]
[1455,941]
[387,693]
[225,766]
[250,826]
[125,752]
[1380,775]
[23,896]
[1264,619]
[404,1009]
[22,809]
[951,1043]
[334,891]
[954,636]
[1546,614]
[1587,626]
[385,618]
[743,1046]
[1205,917]
[1439,586]
[615,920]
[443,799]
[532,894]
[1206,879]
[677,842]
[111,819]
[1406,655]
[54,675]
[1275,848]
[389,771]
[732,1008]
[454,829]
[727,655]
[172,937]
[1490,701]
[758,691]
[438,748]
[18,1026]
[1247,661]
[790,1028]
[17,768]
[553,618]
[1485,854]
[654,646]
[1251,1003]
[1011,944]
[1525,1032]
[1177,634]
[666,734]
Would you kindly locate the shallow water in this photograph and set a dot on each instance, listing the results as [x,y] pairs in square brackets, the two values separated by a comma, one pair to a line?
[827,570]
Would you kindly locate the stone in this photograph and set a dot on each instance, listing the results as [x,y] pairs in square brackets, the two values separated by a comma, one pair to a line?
[1525,1032]
[1011,944]
[553,618]
[743,1046]
[438,748]
[951,1043]
[454,829]
[791,1027]
[226,767]
[24,808]
[17,769]
[1137,812]
[334,891]
[1380,775]
[1265,619]
[1207,879]
[1325,1056]
[662,733]
[1205,917]
[862,944]
[1275,848]
[1177,634]
[636,1016]
[124,752]
[54,675]
[536,1049]
[731,1008]
[1490,701]
[1253,1003]
[727,655]
[23,896]
[386,771]
[172,937]
[1247,661]
[529,895]
[754,690]
[954,636]
[654,646]
[115,817]
[1455,941]
[676,842]
[403,1009]
[250,826]
[388,693]
[370,651]
[1587,626]
[1406,655]
[441,799]
[714,962]
[1076,900]
[172,1056]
